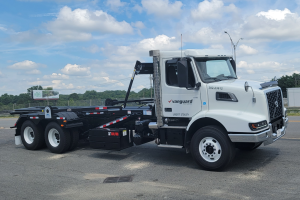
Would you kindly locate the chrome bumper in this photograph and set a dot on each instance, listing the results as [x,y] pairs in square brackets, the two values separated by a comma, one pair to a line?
[267,136]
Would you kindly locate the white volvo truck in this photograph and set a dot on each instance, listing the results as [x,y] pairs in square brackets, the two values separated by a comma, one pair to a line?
[199,105]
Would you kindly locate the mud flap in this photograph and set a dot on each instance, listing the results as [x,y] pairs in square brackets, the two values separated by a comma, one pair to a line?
[18,140]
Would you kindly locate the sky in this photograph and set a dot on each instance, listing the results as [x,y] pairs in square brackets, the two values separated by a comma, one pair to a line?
[79,45]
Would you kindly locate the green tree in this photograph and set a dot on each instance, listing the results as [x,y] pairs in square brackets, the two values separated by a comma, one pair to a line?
[37,87]
[23,98]
[73,96]
[288,82]
[90,94]
[5,99]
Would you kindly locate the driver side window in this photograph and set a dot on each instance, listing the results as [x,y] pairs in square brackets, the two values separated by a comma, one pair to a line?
[171,73]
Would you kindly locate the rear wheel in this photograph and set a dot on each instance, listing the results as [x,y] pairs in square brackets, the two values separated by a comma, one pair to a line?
[32,136]
[211,148]
[57,139]
[245,146]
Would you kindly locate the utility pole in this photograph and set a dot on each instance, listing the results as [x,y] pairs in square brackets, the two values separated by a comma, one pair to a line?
[234,45]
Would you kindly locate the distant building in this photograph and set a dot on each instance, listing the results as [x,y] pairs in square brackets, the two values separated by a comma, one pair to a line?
[293,96]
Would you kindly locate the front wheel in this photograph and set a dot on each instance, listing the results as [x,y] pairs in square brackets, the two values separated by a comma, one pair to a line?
[211,148]
[57,139]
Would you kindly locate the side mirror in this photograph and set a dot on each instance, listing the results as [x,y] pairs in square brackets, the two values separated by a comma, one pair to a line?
[232,62]
[246,85]
[182,73]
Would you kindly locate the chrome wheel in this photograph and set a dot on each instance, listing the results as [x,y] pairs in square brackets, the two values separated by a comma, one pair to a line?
[28,135]
[210,149]
[54,137]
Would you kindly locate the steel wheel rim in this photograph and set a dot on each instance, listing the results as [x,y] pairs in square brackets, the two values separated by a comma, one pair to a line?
[54,137]
[210,149]
[28,135]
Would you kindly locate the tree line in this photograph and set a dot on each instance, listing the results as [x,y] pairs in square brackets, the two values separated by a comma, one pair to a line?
[24,98]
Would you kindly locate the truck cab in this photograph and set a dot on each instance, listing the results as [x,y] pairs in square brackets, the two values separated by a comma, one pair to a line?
[200,93]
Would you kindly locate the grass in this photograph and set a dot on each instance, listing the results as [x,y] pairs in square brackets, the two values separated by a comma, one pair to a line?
[8,116]
[293,114]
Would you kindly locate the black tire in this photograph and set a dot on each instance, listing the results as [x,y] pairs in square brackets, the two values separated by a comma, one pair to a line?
[245,146]
[221,149]
[74,139]
[32,136]
[57,138]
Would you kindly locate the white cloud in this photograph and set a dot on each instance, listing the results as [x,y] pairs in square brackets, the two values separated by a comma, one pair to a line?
[268,26]
[3,29]
[138,24]
[56,76]
[75,25]
[25,65]
[115,4]
[59,1]
[205,35]
[162,8]
[76,70]
[138,8]
[213,9]
[80,22]
[124,57]
[264,67]
[92,49]
[106,80]
[1,74]
[275,14]
[216,46]
[34,71]
[142,48]
[247,49]
[58,84]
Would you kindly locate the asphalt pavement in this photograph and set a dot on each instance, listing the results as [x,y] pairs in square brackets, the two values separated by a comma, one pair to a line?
[269,172]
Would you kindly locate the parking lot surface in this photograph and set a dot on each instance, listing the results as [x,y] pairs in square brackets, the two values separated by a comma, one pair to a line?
[269,172]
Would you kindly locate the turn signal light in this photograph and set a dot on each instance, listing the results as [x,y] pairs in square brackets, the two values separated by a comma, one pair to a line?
[62,125]
[258,125]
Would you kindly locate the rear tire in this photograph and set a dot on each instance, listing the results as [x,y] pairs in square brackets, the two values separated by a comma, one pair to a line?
[244,146]
[57,139]
[32,136]
[74,139]
[211,148]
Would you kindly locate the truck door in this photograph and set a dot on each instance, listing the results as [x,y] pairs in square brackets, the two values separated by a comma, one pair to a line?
[176,101]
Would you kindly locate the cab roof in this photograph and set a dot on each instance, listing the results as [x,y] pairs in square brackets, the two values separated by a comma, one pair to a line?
[196,53]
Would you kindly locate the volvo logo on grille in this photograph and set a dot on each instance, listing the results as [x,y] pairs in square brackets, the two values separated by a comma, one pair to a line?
[276,103]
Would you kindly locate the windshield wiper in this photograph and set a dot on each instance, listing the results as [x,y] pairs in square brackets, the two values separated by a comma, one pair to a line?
[230,77]
[215,78]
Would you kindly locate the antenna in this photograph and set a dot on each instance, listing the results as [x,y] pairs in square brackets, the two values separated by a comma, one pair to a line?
[181,45]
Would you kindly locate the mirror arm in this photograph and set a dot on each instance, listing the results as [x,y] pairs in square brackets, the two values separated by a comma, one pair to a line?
[197,86]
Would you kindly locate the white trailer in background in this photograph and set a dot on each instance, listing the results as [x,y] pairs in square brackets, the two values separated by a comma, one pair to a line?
[293,96]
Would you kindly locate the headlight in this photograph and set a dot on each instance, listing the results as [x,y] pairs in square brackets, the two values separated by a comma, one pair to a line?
[258,125]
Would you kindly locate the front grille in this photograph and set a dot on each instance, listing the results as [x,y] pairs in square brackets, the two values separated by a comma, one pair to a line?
[275,104]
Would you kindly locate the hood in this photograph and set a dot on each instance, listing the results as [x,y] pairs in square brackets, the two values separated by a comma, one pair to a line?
[236,84]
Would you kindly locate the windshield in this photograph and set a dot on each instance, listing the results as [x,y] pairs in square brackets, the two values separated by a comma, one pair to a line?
[214,69]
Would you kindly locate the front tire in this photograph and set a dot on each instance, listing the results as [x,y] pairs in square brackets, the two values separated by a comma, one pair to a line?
[57,139]
[211,148]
